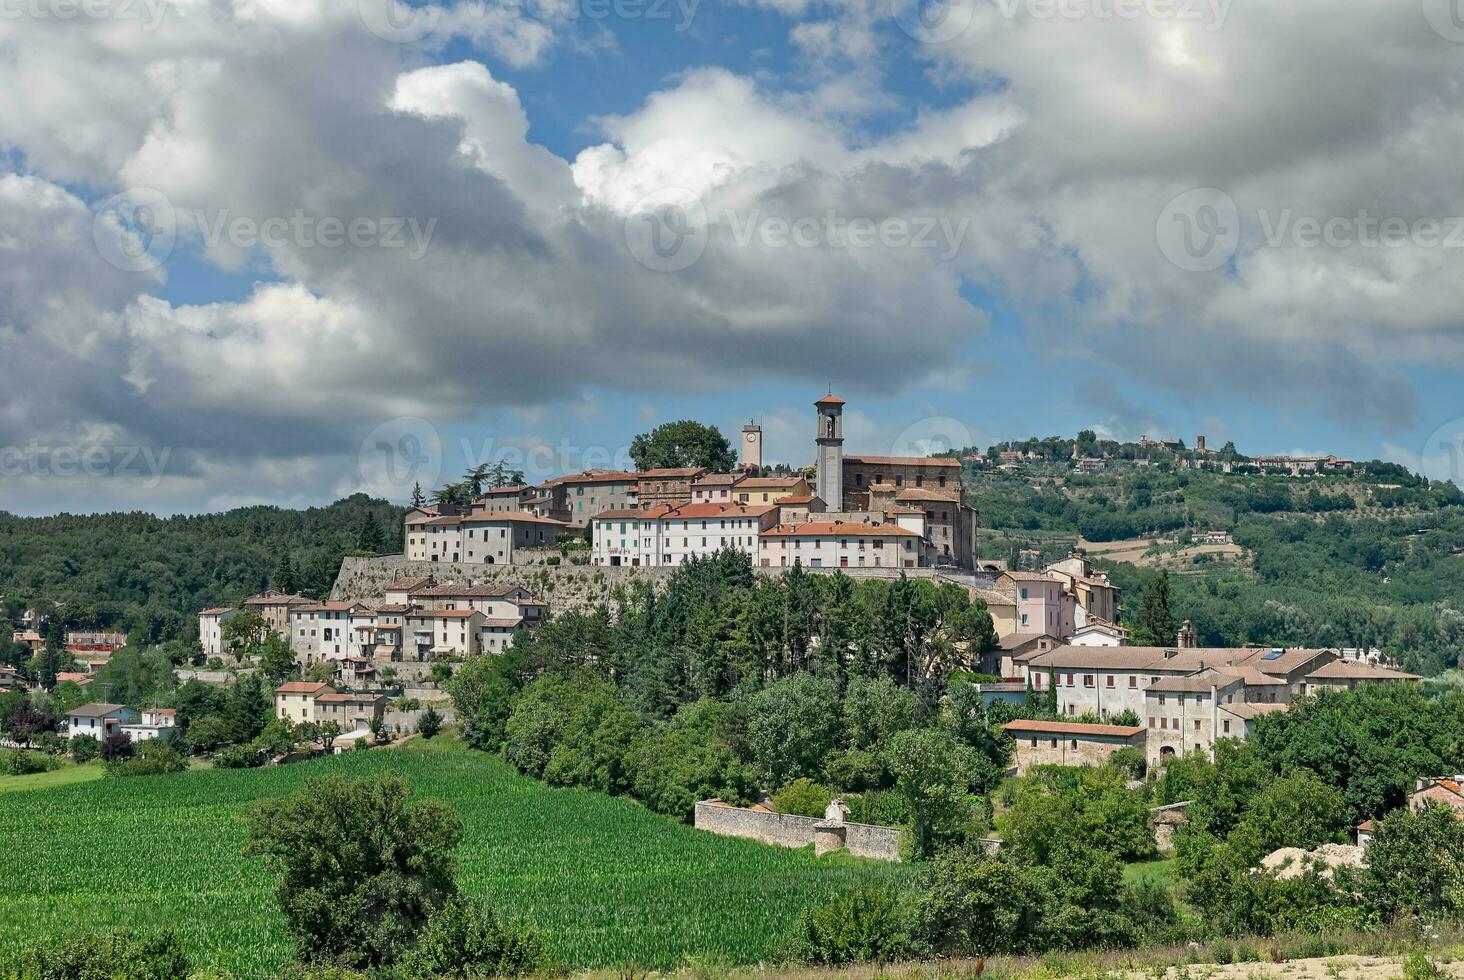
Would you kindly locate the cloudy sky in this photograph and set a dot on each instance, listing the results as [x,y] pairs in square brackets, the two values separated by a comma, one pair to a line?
[282,250]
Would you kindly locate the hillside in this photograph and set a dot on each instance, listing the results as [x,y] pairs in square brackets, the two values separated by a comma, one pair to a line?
[150,575]
[1372,558]
[607,881]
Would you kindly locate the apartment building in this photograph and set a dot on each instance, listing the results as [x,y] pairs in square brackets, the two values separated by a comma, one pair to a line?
[501,500]
[578,497]
[211,629]
[1096,596]
[274,608]
[1043,602]
[295,700]
[715,488]
[323,631]
[840,544]
[479,539]
[670,536]
[755,490]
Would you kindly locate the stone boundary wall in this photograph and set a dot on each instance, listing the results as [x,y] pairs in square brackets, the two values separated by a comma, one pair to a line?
[792,830]
[574,586]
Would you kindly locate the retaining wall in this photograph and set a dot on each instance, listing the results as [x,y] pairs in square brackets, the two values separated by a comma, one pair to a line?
[792,830]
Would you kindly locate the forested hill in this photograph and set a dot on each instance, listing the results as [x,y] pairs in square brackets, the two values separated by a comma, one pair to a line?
[150,575]
[1369,558]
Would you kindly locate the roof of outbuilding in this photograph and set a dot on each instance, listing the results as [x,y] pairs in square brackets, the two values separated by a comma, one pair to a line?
[1073,728]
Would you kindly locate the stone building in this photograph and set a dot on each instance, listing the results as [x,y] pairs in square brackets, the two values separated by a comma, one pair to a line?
[668,487]
[770,489]
[840,544]
[274,608]
[1062,743]
[479,539]
[670,536]
[580,496]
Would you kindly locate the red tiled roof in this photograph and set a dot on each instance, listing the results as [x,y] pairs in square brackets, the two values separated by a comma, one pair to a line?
[838,529]
[937,461]
[218,611]
[672,471]
[831,399]
[1073,728]
[303,687]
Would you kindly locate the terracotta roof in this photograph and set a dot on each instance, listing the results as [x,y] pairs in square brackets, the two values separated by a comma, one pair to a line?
[517,488]
[1351,670]
[302,687]
[1073,728]
[937,461]
[623,514]
[992,597]
[672,471]
[830,399]
[838,529]
[408,584]
[351,698]
[448,613]
[218,611]
[718,480]
[452,589]
[929,493]
[717,510]
[74,676]
[502,623]
[510,516]
[769,482]
[278,599]
[1194,683]
[805,499]
[1253,710]
[594,476]
[161,712]
[337,606]
[393,608]
[1028,577]
[1013,640]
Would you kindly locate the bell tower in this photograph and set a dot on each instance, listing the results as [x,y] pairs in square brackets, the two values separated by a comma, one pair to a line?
[830,478]
[752,446]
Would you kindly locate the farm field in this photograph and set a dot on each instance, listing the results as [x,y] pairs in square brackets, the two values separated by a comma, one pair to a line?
[605,880]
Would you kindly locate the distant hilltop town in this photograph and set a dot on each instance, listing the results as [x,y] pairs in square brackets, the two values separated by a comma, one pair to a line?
[1092,455]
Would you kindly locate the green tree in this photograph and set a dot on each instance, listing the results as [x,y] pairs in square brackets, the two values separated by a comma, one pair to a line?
[684,443]
[417,498]
[876,708]
[1154,625]
[429,723]
[245,628]
[482,693]
[1416,863]
[793,729]
[276,659]
[933,772]
[360,867]
[283,578]
[369,537]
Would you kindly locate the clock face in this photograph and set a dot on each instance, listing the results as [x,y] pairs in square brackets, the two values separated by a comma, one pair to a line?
[752,437]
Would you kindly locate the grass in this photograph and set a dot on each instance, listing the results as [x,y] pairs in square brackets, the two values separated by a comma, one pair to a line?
[1161,871]
[65,776]
[605,880]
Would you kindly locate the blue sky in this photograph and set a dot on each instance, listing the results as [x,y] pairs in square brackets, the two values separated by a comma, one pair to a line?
[1070,160]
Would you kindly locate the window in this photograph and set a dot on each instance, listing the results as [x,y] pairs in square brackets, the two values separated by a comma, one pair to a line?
[1197,724]
[1073,743]
[1133,682]
[1110,680]
[1227,727]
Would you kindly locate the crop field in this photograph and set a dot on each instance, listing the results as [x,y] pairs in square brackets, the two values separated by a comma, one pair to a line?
[606,881]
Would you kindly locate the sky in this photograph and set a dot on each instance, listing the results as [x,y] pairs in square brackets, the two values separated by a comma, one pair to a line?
[280,251]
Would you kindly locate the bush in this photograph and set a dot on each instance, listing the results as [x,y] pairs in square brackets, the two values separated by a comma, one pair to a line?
[85,748]
[238,757]
[19,762]
[154,757]
[1129,761]
[464,939]
[116,746]
[429,723]
[803,797]
[97,956]
[859,925]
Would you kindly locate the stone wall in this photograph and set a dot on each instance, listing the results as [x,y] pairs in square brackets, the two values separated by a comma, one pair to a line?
[792,830]
[565,587]
[1069,750]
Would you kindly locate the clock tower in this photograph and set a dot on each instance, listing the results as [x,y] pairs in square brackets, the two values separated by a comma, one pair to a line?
[830,479]
[752,446]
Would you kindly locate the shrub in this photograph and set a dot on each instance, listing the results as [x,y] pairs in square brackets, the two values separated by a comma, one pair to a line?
[116,746]
[19,762]
[390,862]
[154,757]
[861,924]
[1420,967]
[1129,761]
[804,797]
[84,748]
[96,956]
[464,939]
[238,757]
[430,723]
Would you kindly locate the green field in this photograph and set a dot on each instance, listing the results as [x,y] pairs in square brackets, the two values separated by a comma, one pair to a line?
[605,880]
